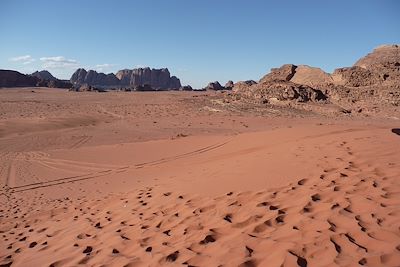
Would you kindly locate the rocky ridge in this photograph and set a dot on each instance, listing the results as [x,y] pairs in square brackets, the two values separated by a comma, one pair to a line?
[370,86]
[11,78]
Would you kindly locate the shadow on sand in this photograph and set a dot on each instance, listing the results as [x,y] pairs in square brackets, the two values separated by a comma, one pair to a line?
[396,131]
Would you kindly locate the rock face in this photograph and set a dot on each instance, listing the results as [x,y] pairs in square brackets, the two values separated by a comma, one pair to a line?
[11,78]
[157,79]
[44,75]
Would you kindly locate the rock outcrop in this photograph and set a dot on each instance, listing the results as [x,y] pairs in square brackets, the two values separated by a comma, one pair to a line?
[215,86]
[284,73]
[11,78]
[311,76]
[379,68]
[157,79]
[380,56]
[302,74]
[186,88]
[44,75]
[229,85]
[372,85]
[280,90]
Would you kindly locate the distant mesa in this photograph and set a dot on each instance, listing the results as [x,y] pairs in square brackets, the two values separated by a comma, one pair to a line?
[140,79]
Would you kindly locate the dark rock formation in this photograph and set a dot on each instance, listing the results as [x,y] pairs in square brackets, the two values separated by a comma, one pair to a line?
[157,79]
[144,87]
[44,75]
[186,88]
[11,78]
[86,88]
[229,85]
[216,86]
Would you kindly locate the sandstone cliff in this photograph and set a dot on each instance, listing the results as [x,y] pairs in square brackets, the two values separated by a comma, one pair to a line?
[156,79]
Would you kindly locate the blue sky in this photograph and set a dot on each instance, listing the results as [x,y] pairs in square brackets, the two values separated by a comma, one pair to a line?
[199,41]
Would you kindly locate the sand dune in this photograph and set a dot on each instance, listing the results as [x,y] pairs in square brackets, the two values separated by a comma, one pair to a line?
[285,191]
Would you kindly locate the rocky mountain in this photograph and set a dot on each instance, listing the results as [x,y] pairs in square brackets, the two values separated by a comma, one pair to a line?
[11,78]
[44,75]
[157,79]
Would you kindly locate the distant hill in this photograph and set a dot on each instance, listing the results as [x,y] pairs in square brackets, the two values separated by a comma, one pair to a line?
[12,78]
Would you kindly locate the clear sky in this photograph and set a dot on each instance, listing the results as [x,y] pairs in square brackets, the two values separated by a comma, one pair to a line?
[199,41]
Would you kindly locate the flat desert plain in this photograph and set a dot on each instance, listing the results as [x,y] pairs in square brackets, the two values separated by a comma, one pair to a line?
[180,178]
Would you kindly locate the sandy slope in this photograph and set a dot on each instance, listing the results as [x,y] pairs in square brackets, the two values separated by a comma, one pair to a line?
[240,189]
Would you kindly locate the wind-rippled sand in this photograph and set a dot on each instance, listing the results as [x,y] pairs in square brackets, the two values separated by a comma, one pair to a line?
[174,183]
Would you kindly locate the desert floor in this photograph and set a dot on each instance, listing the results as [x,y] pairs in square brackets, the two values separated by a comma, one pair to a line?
[182,178]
